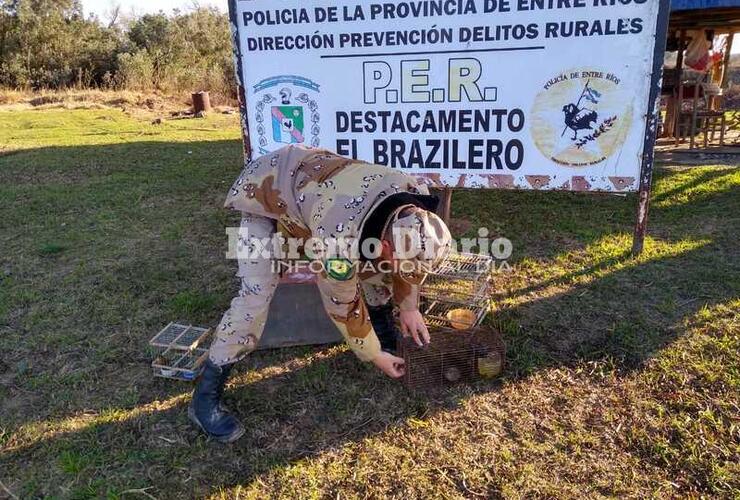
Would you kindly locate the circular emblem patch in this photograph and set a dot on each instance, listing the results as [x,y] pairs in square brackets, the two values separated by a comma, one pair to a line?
[339,269]
[581,118]
[286,112]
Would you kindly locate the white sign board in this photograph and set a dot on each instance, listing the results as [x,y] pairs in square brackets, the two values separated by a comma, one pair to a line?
[523,94]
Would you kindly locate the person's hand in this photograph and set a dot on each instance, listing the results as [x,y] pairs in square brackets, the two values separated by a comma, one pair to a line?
[391,365]
[412,324]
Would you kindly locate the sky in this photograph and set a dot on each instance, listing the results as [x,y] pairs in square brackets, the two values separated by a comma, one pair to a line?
[102,7]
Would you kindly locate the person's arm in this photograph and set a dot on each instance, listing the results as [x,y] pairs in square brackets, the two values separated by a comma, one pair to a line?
[406,297]
[344,303]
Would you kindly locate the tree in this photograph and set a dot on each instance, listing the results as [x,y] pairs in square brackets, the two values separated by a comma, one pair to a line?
[48,43]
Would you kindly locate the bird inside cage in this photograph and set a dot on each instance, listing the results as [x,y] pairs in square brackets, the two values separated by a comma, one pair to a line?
[453,356]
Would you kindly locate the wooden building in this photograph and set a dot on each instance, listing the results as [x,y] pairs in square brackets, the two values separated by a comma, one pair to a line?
[693,97]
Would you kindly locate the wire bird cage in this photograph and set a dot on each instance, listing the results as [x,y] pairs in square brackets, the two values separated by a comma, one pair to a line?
[453,356]
[457,293]
[179,351]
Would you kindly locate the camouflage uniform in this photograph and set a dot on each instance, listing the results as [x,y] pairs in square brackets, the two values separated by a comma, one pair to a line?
[311,192]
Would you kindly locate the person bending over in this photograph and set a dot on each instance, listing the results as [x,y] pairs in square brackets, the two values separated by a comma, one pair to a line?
[316,193]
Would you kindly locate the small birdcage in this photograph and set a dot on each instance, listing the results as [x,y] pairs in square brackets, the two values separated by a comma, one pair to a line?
[453,356]
[180,351]
[456,294]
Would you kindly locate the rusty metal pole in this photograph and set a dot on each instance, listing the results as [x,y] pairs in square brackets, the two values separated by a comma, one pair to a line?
[240,92]
[651,130]
[445,202]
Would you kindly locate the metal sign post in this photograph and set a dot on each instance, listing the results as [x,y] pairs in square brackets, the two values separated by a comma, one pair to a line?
[651,131]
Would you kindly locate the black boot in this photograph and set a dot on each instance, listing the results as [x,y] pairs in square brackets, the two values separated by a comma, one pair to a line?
[384,325]
[206,410]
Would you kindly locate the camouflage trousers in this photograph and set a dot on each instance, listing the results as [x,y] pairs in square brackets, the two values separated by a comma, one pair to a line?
[241,326]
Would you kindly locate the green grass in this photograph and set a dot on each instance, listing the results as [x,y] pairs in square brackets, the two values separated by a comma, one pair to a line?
[623,374]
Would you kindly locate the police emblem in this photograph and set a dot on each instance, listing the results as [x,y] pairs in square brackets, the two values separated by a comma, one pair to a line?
[287,106]
[287,124]
[339,269]
[581,118]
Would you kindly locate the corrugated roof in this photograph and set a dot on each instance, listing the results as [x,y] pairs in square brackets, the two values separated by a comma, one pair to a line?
[703,4]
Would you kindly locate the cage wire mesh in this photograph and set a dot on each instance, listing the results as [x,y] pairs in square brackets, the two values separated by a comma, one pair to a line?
[453,356]
[454,302]
[457,293]
[466,266]
[183,336]
[179,351]
[178,364]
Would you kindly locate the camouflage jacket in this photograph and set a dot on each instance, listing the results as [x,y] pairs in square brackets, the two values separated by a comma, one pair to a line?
[316,193]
